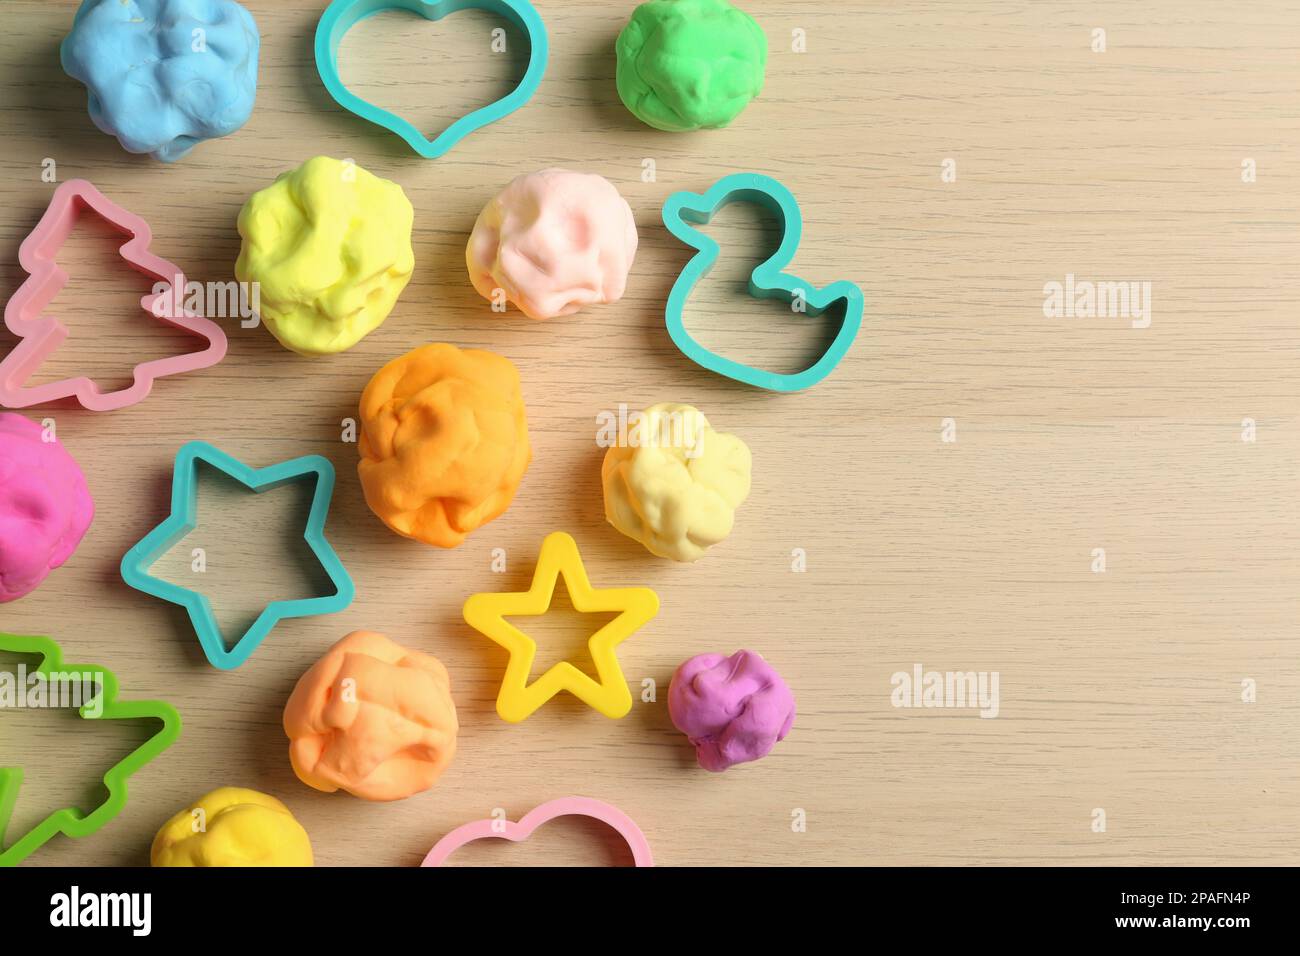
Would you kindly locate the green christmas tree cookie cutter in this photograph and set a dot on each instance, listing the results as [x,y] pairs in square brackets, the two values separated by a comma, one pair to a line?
[683,211]
[342,15]
[72,821]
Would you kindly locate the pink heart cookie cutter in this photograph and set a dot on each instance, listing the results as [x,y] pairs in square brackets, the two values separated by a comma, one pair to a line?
[492,829]
[42,334]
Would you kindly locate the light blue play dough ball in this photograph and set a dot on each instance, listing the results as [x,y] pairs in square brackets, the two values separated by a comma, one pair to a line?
[164,75]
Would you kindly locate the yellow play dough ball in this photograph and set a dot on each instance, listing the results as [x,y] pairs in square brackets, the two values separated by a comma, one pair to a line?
[673,483]
[329,246]
[232,827]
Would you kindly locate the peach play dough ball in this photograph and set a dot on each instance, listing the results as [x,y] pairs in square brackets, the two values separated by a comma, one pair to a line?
[552,242]
[232,827]
[371,718]
[444,442]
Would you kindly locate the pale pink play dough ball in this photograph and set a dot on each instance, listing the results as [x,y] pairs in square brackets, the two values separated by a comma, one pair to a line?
[553,241]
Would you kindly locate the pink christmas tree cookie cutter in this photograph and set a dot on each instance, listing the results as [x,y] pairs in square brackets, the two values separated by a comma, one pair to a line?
[42,334]
[495,829]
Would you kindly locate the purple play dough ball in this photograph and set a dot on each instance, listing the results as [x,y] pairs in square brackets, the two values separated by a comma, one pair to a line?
[734,709]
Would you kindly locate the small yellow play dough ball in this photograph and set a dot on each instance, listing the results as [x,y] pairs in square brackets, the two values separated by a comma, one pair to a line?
[673,483]
[232,827]
[329,246]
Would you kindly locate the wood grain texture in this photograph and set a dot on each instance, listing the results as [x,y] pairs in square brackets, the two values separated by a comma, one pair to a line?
[1119,690]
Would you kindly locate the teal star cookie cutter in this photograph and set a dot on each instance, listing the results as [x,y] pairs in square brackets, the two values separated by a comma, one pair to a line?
[183,519]
[72,821]
[343,15]
[683,211]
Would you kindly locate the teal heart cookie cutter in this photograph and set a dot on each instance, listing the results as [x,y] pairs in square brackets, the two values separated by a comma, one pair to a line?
[184,518]
[683,211]
[342,15]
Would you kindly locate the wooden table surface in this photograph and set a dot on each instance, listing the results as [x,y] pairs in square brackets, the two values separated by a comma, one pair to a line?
[1113,531]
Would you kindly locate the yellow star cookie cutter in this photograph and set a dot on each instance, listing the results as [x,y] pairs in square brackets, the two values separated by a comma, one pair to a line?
[487,614]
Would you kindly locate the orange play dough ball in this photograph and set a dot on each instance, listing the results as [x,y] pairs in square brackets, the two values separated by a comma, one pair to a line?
[444,442]
[371,718]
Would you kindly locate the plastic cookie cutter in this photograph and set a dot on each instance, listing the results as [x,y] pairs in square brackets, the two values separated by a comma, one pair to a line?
[183,519]
[493,828]
[42,334]
[342,15]
[684,210]
[487,613]
[69,680]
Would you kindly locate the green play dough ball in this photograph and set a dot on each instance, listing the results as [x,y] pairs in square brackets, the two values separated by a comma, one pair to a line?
[689,64]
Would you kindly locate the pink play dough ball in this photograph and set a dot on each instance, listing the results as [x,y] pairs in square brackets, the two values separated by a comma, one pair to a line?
[734,709]
[45,507]
[553,241]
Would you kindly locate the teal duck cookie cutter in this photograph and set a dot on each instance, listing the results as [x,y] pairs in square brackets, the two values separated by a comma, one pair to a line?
[342,15]
[683,211]
[183,519]
[69,681]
